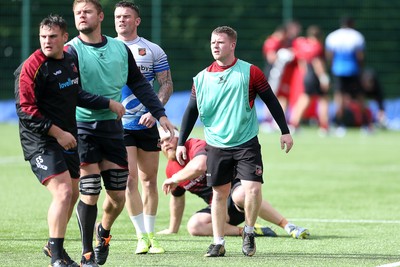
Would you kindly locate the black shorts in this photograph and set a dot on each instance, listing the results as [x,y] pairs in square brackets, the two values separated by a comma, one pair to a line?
[311,82]
[54,161]
[347,85]
[243,162]
[236,216]
[93,149]
[146,139]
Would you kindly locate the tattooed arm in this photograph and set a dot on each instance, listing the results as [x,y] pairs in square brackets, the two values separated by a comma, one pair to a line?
[164,79]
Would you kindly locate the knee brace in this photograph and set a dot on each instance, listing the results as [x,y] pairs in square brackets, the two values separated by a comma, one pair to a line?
[90,184]
[115,179]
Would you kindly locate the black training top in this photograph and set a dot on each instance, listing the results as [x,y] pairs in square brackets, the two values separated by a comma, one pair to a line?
[47,92]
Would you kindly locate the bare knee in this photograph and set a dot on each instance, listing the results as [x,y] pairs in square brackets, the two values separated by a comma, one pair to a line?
[253,191]
[149,183]
[238,196]
[194,228]
[65,194]
[198,227]
[132,184]
[221,192]
[116,198]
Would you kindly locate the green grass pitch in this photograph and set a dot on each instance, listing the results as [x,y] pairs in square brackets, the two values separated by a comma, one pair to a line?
[346,191]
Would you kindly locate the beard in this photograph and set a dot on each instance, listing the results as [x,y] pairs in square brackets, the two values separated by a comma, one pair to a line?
[171,154]
[86,30]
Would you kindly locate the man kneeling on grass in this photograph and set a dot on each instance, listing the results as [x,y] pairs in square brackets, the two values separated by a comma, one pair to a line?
[192,177]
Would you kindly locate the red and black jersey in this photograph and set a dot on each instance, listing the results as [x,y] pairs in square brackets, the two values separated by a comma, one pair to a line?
[47,92]
[197,186]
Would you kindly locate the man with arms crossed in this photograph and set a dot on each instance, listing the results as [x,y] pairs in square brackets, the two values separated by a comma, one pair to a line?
[105,66]
[141,135]
[223,95]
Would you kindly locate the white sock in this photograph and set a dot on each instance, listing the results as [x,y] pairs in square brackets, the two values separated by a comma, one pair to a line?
[248,229]
[138,223]
[149,222]
[219,240]
[288,227]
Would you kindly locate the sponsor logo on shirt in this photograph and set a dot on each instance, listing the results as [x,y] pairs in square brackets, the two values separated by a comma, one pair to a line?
[194,182]
[69,83]
[143,68]
[58,72]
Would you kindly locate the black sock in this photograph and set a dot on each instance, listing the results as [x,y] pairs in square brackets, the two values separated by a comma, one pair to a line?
[56,248]
[86,219]
[103,232]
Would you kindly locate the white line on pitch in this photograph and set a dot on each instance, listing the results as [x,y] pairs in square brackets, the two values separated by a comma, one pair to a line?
[394,264]
[344,221]
[11,159]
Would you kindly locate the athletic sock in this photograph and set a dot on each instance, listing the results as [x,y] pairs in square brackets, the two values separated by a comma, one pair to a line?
[149,222]
[288,227]
[248,229]
[56,248]
[103,232]
[86,219]
[219,240]
[138,223]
